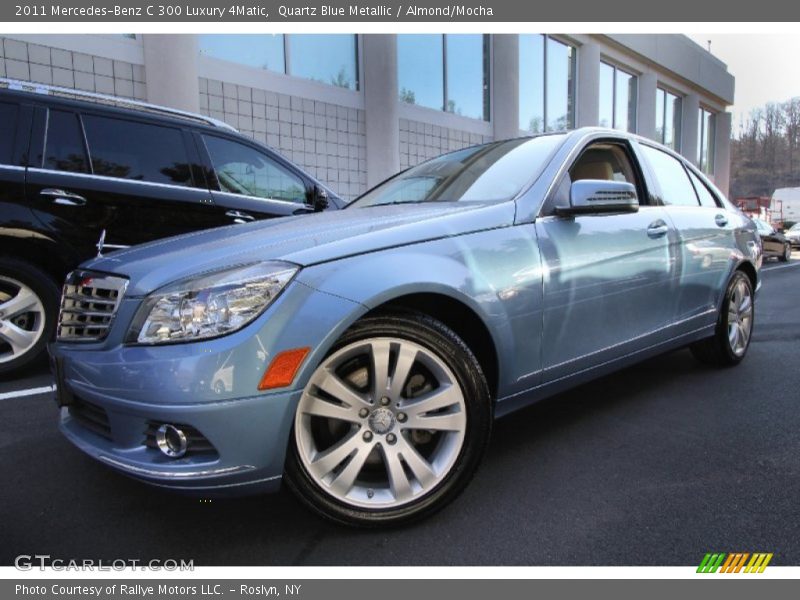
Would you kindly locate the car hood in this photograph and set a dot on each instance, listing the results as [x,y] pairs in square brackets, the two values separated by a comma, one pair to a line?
[302,240]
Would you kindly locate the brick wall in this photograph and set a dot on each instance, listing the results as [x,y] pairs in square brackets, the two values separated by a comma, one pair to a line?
[42,64]
[327,140]
[421,141]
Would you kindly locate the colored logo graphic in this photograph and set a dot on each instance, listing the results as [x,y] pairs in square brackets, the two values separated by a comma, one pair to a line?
[735,562]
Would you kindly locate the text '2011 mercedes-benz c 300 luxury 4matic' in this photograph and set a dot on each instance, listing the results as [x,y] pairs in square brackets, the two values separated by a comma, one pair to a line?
[361,355]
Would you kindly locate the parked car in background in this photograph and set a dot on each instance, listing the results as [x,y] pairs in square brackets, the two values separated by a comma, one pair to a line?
[78,178]
[776,245]
[361,355]
[793,235]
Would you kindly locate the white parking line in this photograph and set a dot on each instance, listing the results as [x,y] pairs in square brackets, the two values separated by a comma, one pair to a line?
[794,264]
[29,392]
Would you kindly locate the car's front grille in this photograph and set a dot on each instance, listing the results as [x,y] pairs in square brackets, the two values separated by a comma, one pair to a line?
[90,416]
[88,305]
[196,442]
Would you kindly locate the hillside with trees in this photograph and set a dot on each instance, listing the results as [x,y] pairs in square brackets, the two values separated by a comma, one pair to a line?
[765,152]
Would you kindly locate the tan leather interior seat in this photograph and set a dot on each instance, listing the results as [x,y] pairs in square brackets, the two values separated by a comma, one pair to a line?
[593,165]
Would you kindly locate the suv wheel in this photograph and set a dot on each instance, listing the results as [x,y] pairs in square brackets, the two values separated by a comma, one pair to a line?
[729,344]
[28,313]
[391,425]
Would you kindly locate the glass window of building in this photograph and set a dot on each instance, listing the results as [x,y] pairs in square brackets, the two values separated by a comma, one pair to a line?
[705,137]
[420,70]
[259,51]
[546,84]
[445,72]
[668,119]
[330,58]
[618,93]
[466,68]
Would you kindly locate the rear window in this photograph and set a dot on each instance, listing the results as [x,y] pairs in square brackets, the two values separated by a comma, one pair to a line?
[8,126]
[676,189]
[134,150]
[64,149]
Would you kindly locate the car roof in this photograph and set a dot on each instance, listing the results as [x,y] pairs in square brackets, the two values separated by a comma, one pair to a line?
[118,106]
[101,103]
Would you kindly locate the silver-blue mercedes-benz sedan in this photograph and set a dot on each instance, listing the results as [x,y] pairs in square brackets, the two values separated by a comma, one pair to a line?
[361,355]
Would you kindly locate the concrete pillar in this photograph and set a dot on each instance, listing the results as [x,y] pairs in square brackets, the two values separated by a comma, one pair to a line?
[171,72]
[722,151]
[646,106]
[505,82]
[588,86]
[689,122]
[381,106]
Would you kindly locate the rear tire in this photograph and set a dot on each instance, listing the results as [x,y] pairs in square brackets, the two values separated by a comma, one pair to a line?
[728,346]
[787,253]
[29,301]
[392,424]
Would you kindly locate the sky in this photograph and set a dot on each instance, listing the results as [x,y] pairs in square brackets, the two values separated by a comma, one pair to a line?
[766,67]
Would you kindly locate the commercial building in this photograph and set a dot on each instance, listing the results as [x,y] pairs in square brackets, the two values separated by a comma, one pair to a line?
[353,109]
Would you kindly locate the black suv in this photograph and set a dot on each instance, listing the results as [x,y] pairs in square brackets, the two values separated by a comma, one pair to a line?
[83,177]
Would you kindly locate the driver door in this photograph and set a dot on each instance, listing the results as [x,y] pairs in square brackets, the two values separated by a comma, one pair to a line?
[607,276]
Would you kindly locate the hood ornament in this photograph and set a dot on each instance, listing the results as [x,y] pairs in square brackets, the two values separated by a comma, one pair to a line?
[101,244]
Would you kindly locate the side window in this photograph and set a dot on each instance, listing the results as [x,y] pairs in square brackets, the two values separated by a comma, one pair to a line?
[135,150]
[706,197]
[64,150]
[676,189]
[8,126]
[606,161]
[241,169]
[603,161]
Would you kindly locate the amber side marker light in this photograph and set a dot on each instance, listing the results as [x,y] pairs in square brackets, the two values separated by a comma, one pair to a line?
[283,368]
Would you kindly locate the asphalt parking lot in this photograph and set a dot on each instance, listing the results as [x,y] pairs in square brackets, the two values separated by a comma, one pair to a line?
[655,465]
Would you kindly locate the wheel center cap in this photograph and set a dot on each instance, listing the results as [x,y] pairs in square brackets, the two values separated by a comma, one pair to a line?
[381,420]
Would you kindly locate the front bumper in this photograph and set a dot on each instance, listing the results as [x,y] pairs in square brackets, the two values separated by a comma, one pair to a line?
[116,395]
[248,436]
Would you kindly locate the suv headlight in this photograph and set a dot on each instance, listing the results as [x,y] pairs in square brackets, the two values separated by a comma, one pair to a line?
[209,305]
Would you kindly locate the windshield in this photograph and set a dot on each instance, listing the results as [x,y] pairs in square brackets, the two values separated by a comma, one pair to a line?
[489,173]
[795,227]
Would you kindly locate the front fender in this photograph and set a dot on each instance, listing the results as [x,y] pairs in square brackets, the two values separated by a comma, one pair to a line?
[496,274]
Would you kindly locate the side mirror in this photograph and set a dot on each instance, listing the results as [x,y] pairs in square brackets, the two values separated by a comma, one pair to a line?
[598,196]
[320,199]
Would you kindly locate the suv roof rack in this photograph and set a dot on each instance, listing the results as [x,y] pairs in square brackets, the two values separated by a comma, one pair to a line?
[70,93]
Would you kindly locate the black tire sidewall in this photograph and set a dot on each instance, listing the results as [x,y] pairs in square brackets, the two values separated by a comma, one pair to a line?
[442,341]
[47,291]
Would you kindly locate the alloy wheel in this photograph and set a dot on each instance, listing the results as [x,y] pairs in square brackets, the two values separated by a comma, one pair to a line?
[22,319]
[381,423]
[740,317]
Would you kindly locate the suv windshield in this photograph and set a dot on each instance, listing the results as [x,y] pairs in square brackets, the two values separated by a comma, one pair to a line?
[489,173]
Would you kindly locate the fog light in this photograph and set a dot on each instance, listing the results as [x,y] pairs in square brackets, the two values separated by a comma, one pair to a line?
[171,441]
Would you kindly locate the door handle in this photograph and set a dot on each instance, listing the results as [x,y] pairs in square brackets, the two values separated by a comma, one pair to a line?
[657,229]
[63,198]
[239,216]
[721,220]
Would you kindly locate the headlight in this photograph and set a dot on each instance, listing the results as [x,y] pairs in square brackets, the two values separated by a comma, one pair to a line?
[209,305]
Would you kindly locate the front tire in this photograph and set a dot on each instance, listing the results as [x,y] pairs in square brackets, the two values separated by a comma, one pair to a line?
[787,253]
[392,424]
[28,313]
[728,346]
